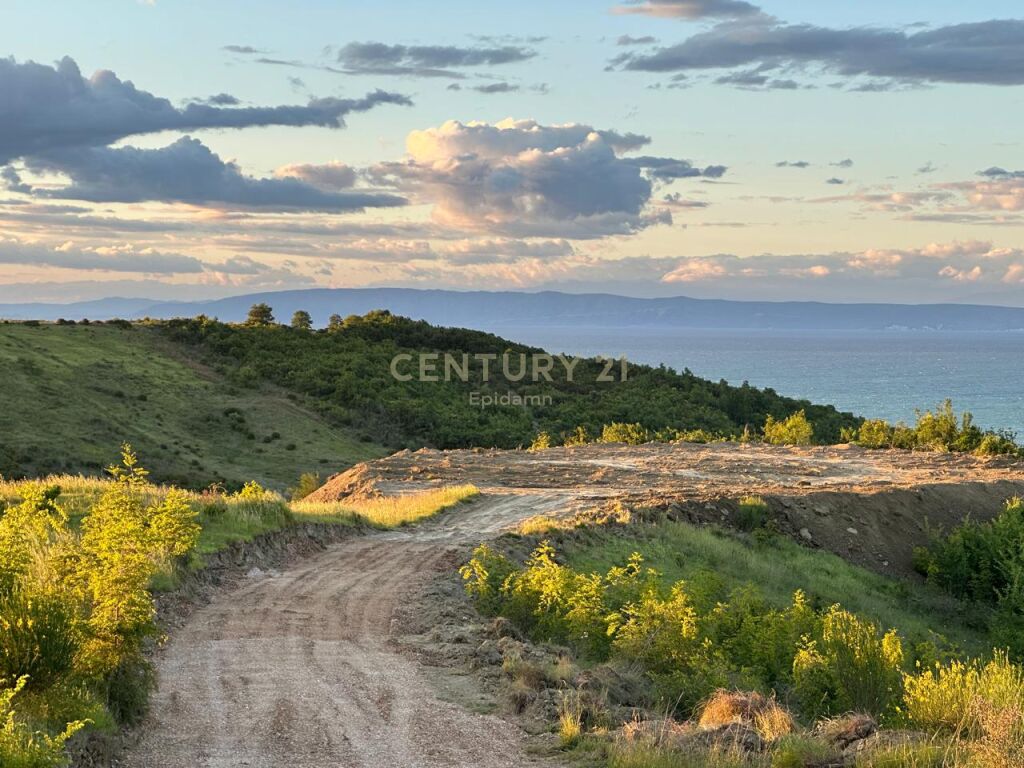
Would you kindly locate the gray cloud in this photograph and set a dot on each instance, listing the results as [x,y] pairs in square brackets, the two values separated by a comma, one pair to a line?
[630,40]
[793,164]
[847,163]
[123,259]
[243,49]
[45,108]
[835,181]
[188,172]
[690,9]
[668,168]
[220,100]
[989,52]
[12,180]
[374,58]
[522,178]
[491,88]
[1001,173]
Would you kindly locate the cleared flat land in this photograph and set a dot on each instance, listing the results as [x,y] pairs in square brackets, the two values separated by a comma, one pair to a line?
[302,667]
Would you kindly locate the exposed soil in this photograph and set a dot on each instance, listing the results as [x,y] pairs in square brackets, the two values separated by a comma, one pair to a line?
[870,507]
[308,666]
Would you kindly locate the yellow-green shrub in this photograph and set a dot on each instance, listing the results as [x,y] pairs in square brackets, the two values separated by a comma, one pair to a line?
[947,697]
[850,666]
[793,430]
[23,747]
[631,434]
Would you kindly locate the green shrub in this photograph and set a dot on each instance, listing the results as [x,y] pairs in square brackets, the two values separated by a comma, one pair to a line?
[541,442]
[578,436]
[849,667]
[308,482]
[959,697]
[39,636]
[485,575]
[631,434]
[875,433]
[22,747]
[984,562]
[794,430]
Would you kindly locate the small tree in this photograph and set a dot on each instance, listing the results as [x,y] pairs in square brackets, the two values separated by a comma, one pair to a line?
[302,320]
[260,315]
[335,322]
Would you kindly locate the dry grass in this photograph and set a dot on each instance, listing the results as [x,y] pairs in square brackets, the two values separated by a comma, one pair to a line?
[389,511]
[762,714]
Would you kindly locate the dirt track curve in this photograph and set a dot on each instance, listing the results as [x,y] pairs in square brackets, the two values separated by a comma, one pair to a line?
[298,668]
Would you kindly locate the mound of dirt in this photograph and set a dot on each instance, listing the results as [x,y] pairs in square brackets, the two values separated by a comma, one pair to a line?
[870,507]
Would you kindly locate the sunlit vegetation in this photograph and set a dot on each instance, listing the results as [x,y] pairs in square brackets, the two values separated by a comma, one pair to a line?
[76,608]
[389,511]
[809,636]
[938,430]
[80,560]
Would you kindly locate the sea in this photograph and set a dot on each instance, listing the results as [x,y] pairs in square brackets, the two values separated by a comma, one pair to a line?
[880,374]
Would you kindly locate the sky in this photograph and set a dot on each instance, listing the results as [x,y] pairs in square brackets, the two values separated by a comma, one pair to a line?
[853,150]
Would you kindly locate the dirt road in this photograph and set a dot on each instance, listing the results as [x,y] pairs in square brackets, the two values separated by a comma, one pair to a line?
[297,669]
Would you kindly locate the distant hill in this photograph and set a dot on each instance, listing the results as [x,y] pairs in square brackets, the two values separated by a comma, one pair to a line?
[494,311]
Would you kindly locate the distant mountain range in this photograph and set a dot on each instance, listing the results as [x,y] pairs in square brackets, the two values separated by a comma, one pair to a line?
[494,311]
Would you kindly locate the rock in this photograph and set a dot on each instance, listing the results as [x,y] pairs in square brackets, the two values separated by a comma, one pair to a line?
[806,534]
[852,530]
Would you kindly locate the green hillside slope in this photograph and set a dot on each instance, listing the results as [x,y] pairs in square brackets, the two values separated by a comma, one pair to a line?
[71,394]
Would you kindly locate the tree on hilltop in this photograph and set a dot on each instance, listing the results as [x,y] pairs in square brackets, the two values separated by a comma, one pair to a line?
[260,315]
[302,320]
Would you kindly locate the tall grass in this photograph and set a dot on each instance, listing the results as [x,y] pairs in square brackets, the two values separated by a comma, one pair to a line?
[388,511]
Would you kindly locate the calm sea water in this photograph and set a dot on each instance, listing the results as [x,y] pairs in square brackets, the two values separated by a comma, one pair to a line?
[884,375]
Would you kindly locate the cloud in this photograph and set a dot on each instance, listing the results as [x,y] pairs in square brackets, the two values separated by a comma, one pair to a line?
[792,164]
[374,58]
[522,178]
[847,163]
[630,40]
[188,172]
[112,259]
[332,175]
[220,100]
[689,9]
[491,88]
[12,180]
[932,268]
[43,109]
[243,49]
[835,181]
[988,52]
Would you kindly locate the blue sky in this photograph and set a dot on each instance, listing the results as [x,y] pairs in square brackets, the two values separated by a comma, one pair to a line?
[854,151]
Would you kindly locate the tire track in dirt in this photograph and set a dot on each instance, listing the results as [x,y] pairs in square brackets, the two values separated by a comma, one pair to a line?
[297,668]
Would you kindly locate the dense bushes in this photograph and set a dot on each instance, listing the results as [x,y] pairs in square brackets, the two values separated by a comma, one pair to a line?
[984,562]
[75,606]
[938,430]
[345,371]
[690,641]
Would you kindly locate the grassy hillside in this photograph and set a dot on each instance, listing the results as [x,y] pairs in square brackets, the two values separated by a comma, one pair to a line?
[72,394]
